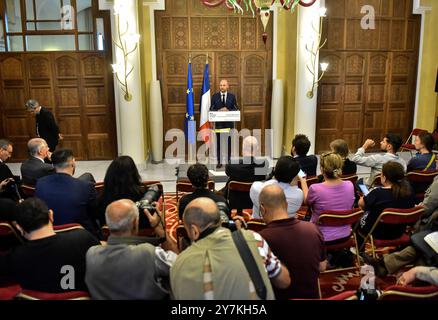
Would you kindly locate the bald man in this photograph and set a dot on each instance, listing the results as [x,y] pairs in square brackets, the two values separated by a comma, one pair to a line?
[223,101]
[211,268]
[129,267]
[35,167]
[249,168]
[298,244]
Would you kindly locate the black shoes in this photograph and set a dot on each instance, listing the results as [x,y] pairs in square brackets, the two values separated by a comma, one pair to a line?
[378,265]
[219,166]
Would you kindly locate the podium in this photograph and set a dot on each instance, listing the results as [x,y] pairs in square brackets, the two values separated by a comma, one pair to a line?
[224,116]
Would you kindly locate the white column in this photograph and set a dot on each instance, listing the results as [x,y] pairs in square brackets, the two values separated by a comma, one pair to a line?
[130,113]
[305,108]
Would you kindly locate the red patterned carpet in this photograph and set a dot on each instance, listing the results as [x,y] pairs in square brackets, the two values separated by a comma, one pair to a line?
[331,283]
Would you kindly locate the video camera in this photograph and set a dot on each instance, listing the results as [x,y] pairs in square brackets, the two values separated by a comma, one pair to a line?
[152,195]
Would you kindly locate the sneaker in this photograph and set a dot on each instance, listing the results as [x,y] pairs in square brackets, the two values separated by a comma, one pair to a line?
[378,265]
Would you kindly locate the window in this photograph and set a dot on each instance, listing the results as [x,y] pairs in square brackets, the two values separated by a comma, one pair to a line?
[50,25]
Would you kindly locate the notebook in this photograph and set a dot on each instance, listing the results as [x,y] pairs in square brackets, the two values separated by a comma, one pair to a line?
[432,240]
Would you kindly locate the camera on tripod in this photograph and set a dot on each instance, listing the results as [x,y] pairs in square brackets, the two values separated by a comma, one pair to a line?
[152,195]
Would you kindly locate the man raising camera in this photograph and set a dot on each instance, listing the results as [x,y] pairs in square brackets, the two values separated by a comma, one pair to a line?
[129,267]
[211,268]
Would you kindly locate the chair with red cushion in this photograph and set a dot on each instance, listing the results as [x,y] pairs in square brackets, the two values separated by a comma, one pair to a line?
[408,144]
[397,292]
[346,295]
[329,218]
[310,181]
[99,188]
[395,217]
[10,292]
[9,237]
[420,181]
[28,191]
[67,227]
[184,185]
[238,196]
[38,295]
[350,177]
[256,225]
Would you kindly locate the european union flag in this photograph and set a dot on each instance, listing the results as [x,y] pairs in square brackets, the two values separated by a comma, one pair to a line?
[190,107]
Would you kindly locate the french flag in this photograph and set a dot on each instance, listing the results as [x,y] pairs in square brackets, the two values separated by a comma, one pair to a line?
[205,104]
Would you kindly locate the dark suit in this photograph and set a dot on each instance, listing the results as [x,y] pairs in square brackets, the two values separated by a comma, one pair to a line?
[216,105]
[10,190]
[47,128]
[72,200]
[308,164]
[33,168]
[245,171]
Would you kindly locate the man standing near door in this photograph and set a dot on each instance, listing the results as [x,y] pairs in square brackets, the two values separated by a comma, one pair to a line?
[46,127]
[223,101]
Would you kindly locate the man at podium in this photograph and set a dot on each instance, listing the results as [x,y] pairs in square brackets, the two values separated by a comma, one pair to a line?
[223,101]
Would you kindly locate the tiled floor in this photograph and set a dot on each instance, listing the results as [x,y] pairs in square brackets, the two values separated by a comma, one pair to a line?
[166,173]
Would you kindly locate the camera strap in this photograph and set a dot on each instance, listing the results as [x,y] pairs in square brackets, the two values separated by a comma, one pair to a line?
[250,263]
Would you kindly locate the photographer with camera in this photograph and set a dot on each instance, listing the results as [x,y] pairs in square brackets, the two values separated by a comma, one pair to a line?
[129,267]
[223,265]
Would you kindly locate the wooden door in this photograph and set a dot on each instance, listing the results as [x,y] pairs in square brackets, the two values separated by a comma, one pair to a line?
[236,52]
[369,88]
[75,86]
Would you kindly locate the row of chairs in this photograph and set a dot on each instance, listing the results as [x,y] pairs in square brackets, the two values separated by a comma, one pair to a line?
[396,292]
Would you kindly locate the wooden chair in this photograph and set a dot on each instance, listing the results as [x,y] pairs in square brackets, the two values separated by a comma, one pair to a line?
[342,218]
[392,216]
[181,234]
[9,237]
[67,227]
[38,295]
[350,177]
[408,144]
[256,225]
[346,295]
[28,191]
[397,292]
[238,196]
[99,188]
[184,185]
[420,181]
[310,181]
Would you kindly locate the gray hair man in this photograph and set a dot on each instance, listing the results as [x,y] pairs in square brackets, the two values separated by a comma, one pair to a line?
[35,167]
[212,263]
[129,267]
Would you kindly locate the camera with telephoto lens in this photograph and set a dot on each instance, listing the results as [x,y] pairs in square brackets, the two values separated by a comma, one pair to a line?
[152,195]
[224,212]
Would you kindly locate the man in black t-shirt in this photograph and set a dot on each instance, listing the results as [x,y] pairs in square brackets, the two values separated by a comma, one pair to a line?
[198,176]
[47,262]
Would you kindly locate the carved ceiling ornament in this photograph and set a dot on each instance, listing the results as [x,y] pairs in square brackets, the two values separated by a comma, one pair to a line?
[263,7]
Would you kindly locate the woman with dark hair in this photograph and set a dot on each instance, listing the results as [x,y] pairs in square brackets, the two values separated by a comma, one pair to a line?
[395,193]
[122,181]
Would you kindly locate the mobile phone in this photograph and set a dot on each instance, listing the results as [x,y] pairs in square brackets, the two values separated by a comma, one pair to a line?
[301,174]
[364,189]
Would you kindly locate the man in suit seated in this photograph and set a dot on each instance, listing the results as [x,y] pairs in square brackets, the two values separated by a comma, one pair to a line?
[249,168]
[8,181]
[72,200]
[223,101]
[34,168]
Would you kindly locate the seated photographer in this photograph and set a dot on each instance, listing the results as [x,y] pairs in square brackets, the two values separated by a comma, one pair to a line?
[39,264]
[298,244]
[285,171]
[122,181]
[9,182]
[198,176]
[212,267]
[129,267]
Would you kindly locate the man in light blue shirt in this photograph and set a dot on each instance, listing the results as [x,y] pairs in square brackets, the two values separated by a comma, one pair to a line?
[285,171]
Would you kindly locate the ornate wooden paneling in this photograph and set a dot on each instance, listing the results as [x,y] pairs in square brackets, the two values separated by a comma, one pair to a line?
[236,52]
[76,87]
[369,88]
